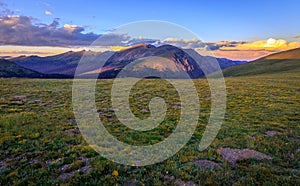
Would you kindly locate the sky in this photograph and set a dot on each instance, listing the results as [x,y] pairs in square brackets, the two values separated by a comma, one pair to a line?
[251,28]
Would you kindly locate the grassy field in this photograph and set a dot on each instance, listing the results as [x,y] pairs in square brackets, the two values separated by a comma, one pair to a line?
[41,144]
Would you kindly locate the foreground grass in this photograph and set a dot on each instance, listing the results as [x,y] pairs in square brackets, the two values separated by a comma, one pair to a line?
[41,144]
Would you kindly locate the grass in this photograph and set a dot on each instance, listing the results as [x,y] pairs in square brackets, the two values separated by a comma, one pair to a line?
[278,63]
[264,66]
[41,144]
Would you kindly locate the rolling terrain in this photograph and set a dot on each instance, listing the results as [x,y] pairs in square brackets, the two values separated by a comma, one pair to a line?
[258,143]
[40,142]
[282,62]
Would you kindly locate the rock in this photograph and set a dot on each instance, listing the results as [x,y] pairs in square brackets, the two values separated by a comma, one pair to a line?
[179,182]
[169,178]
[19,97]
[65,167]
[65,176]
[272,133]
[132,182]
[86,169]
[291,139]
[207,164]
[232,155]
[72,131]
[3,165]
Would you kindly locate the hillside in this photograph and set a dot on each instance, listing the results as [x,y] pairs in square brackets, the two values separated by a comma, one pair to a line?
[282,62]
[64,63]
[10,69]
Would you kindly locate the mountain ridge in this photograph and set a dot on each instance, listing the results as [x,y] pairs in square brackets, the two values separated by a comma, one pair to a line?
[66,63]
[10,69]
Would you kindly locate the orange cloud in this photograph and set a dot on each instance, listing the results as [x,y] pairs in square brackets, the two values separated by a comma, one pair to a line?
[270,44]
[241,55]
[70,27]
[14,51]
[120,48]
[48,12]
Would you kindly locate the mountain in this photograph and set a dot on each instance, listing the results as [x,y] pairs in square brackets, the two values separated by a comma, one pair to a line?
[65,63]
[173,62]
[10,69]
[165,61]
[286,61]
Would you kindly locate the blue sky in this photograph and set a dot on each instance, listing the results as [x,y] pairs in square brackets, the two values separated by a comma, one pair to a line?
[232,29]
[210,20]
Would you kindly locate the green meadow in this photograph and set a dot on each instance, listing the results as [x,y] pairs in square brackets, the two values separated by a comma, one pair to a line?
[40,142]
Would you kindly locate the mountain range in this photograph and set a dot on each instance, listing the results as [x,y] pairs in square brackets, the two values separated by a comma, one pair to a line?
[169,62]
[173,62]
[138,60]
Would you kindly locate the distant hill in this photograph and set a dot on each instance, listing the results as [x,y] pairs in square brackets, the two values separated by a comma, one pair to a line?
[64,63]
[9,69]
[286,61]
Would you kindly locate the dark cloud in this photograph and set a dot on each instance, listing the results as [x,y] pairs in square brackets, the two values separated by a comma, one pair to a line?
[19,30]
[4,10]
[194,43]
[220,44]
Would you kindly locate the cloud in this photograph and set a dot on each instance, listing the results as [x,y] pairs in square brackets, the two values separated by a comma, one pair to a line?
[5,11]
[244,55]
[184,43]
[270,44]
[112,39]
[242,50]
[196,43]
[47,5]
[19,30]
[48,12]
